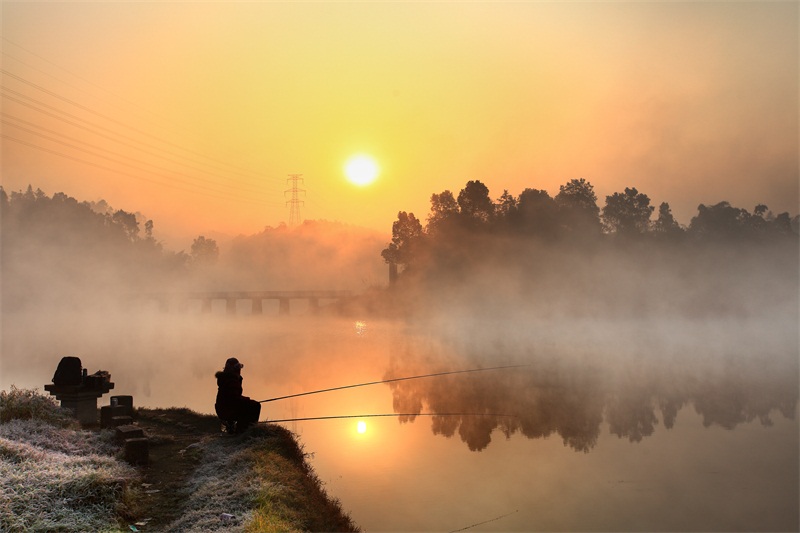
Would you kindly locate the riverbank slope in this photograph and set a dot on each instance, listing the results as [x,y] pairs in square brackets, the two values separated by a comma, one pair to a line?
[57,476]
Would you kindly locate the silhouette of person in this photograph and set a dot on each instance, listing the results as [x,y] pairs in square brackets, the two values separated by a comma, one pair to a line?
[236,411]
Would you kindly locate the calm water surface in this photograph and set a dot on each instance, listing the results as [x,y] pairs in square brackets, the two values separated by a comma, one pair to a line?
[613,426]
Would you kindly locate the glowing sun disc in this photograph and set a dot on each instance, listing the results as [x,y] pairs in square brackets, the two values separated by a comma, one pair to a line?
[361,170]
[361,427]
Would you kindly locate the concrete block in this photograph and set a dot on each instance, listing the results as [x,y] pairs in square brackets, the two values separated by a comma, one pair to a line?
[137,451]
[123,401]
[117,421]
[107,412]
[129,432]
[85,409]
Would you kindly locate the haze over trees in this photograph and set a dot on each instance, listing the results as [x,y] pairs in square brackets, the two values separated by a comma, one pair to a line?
[566,254]
[61,252]
[56,249]
[533,253]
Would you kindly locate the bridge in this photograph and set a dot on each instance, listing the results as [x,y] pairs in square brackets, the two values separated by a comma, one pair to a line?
[180,301]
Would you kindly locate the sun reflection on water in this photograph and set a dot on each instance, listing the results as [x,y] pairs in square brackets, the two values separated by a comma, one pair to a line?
[361,327]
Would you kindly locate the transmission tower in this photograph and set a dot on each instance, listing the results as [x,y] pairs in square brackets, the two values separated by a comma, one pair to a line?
[294,202]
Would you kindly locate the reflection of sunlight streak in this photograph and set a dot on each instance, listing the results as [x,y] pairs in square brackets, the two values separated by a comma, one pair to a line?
[361,327]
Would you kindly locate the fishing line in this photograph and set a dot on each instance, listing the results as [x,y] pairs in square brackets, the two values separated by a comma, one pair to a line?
[390,381]
[485,522]
[380,414]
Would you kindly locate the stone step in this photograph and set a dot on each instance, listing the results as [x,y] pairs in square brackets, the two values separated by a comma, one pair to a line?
[124,401]
[137,451]
[107,412]
[129,431]
[117,421]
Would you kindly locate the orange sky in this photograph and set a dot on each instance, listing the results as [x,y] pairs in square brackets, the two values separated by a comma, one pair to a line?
[196,113]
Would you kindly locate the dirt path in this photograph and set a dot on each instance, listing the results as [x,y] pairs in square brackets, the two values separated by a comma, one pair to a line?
[170,433]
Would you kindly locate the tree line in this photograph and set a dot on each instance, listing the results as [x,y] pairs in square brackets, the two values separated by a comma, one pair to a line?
[572,216]
[97,221]
[57,248]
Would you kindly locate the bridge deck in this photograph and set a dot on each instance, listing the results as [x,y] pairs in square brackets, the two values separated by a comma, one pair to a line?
[313,296]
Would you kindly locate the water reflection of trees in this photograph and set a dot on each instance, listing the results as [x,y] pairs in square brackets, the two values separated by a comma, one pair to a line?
[574,402]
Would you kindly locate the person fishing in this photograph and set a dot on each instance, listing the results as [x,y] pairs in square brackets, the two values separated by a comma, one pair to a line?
[236,411]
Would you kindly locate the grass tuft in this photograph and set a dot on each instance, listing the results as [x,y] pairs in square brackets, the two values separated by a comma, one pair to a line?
[30,404]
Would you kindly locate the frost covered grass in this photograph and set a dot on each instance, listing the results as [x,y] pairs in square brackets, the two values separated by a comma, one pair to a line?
[27,404]
[53,475]
[262,479]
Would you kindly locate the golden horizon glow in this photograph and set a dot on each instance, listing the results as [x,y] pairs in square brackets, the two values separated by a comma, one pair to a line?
[361,170]
[514,94]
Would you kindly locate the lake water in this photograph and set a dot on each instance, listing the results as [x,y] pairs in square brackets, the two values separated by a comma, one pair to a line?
[607,426]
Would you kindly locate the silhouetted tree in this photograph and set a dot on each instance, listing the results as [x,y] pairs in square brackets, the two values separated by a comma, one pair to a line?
[127,221]
[666,224]
[505,210]
[101,206]
[538,213]
[627,213]
[475,206]
[444,212]
[763,222]
[719,220]
[577,204]
[782,224]
[406,236]
[204,251]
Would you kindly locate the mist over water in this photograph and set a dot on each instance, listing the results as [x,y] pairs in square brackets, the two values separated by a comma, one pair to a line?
[716,400]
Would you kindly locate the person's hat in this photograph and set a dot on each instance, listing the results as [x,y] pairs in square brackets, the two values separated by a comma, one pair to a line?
[233,364]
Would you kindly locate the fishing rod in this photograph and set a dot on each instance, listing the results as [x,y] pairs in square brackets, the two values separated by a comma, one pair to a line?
[390,381]
[380,414]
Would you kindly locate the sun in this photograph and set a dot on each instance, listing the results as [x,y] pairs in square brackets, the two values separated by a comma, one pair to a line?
[361,170]
[361,427]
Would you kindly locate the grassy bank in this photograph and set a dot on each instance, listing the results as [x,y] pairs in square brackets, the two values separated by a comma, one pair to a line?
[56,476]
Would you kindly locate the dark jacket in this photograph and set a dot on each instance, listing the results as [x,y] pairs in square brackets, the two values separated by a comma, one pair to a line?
[229,394]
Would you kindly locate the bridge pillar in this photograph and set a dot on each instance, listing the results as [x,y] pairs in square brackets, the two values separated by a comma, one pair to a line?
[258,306]
[283,306]
[206,307]
[230,306]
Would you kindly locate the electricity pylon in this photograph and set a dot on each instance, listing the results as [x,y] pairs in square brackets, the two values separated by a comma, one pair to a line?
[294,203]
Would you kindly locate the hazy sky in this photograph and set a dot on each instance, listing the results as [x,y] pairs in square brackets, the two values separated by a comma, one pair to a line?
[195,113]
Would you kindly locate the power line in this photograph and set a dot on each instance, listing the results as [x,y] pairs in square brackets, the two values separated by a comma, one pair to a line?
[191,183]
[115,154]
[102,115]
[103,89]
[120,172]
[101,156]
[51,75]
[93,128]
